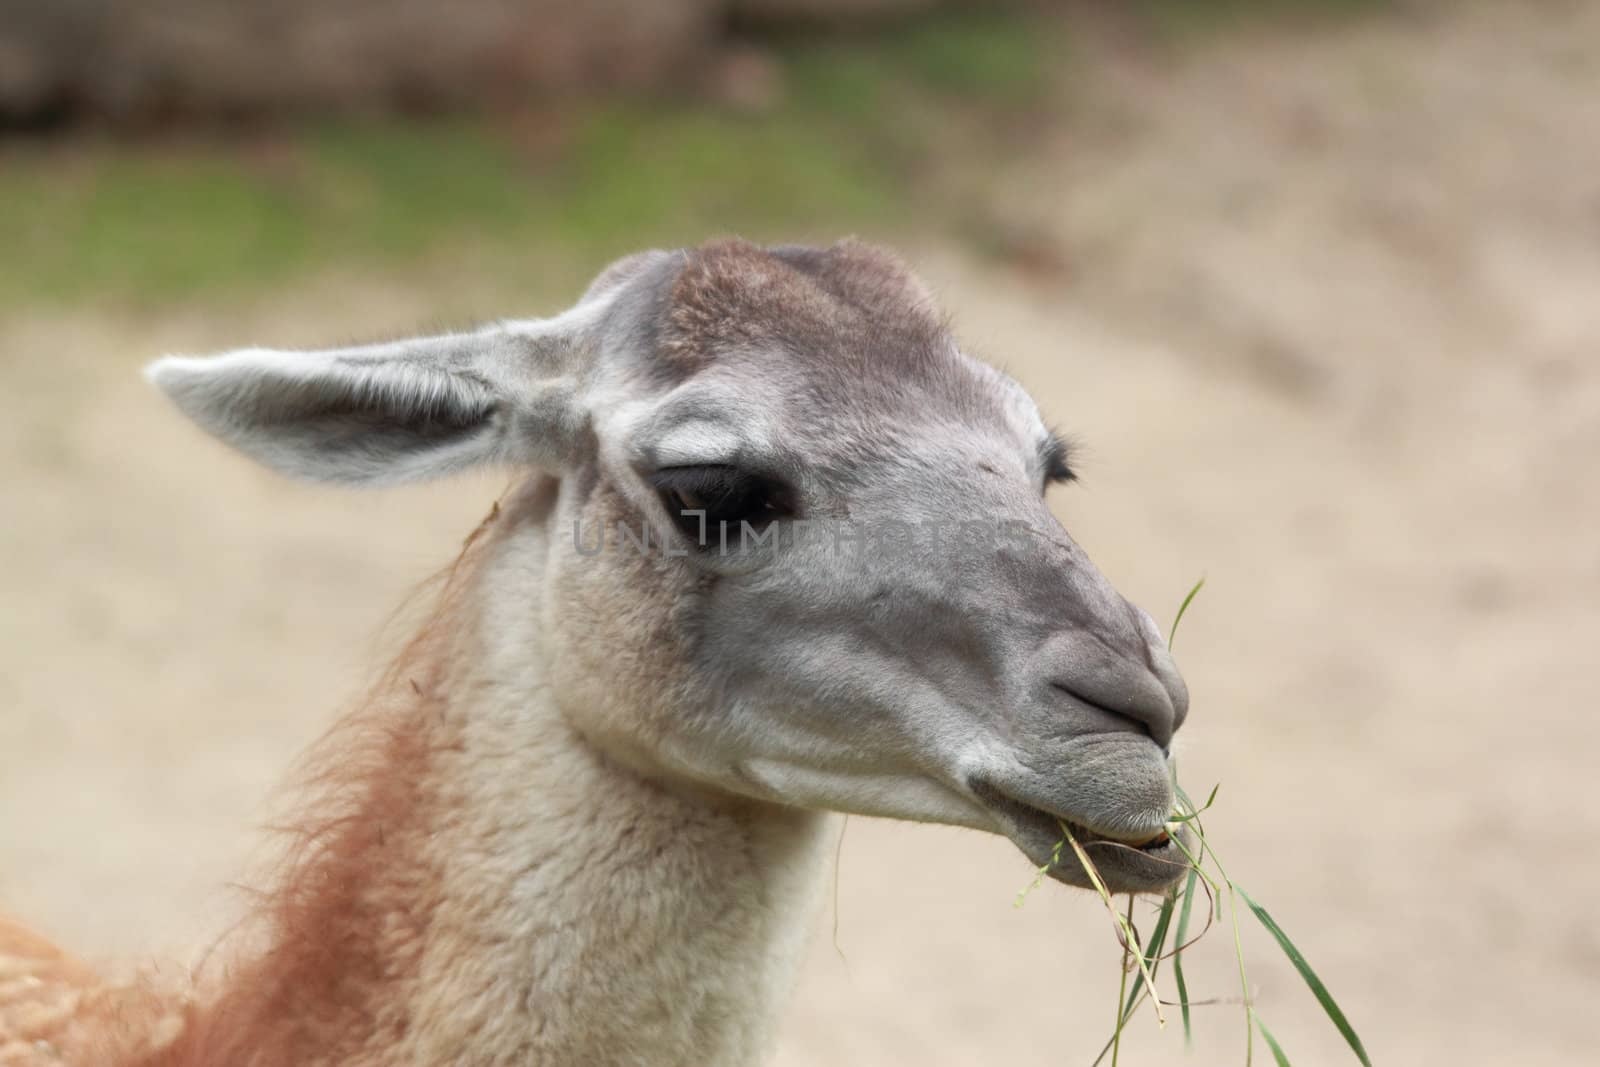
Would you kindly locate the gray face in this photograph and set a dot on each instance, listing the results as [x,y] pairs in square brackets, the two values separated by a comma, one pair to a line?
[888,618]
[853,595]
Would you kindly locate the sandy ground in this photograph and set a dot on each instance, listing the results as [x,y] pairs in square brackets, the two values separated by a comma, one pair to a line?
[1329,322]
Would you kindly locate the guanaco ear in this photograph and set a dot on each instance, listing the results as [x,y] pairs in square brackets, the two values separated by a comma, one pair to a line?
[399,412]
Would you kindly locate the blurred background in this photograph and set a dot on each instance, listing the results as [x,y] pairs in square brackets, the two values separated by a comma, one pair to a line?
[1317,283]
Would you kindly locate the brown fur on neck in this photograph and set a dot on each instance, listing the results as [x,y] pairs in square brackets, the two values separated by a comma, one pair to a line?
[344,925]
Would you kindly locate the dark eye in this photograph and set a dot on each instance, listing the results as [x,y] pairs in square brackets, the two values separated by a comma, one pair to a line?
[703,501]
[1056,457]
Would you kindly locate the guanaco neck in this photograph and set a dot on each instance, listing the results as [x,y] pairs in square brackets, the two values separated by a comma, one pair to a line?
[480,885]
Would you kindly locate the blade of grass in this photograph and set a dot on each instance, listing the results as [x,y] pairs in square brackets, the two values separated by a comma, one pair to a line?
[1152,958]
[1233,916]
[1111,1041]
[1196,872]
[1122,990]
[1177,960]
[1318,990]
[1194,810]
[1129,938]
[1176,619]
[1194,813]
[1272,1042]
[1038,875]
[1158,941]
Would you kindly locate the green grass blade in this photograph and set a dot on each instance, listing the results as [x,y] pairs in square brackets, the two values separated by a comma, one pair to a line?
[1129,938]
[1318,990]
[1233,914]
[1177,960]
[1152,958]
[1173,633]
[1194,813]
[1152,954]
[1039,875]
[1111,1041]
[1272,1042]
[1122,989]
[1194,810]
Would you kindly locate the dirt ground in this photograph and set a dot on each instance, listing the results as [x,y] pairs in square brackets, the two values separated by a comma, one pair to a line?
[1327,318]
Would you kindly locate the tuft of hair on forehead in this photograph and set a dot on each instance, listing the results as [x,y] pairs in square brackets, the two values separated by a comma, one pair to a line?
[871,279]
[733,294]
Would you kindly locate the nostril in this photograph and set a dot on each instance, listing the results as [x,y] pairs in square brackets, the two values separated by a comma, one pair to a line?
[1112,672]
[1144,706]
[1146,623]
[1166,672]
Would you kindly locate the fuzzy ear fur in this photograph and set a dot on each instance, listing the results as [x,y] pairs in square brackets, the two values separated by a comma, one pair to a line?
[403,411]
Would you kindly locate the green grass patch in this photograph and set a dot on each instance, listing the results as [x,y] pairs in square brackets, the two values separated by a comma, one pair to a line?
[151,223]
[155,223]
[989,56]
[996,57]
[1186,18]
[864,128]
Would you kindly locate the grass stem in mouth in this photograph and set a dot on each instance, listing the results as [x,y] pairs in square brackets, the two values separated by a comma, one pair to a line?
[1038,875]
[1130,999]
[1141,960]
[1233,915]
[1181,902]
[1130,939]
[1177,955]
[1122,991]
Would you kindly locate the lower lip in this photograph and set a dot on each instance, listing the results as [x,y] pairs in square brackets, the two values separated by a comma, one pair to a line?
[1157,848]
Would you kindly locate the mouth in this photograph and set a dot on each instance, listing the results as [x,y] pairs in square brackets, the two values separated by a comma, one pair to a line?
[1145,843]
[1140,857]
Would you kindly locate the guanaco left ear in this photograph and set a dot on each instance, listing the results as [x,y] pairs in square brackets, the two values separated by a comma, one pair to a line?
[404,411]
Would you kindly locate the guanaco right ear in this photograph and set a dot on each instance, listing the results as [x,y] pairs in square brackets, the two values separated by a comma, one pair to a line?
[404,411]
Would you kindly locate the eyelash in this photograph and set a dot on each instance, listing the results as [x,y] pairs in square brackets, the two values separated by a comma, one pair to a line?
[1058,463]
[1058,475]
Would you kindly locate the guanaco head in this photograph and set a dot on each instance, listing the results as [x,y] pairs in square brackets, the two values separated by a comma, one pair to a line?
[797,548]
